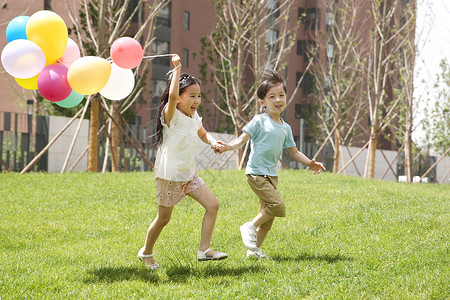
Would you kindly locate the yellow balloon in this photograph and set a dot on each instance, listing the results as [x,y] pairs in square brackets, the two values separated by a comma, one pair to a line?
[89,74]
[48,30]
[28,83]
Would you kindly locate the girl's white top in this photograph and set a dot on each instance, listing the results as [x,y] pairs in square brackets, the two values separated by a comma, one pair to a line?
[175,158]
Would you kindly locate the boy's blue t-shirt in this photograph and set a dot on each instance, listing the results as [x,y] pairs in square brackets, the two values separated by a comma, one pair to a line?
[268,139]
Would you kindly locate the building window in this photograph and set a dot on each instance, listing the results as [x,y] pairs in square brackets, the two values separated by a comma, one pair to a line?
[330,53]
[307,49]
[186,20]
[47,5]
[159,86]
[307,83]
[301,13]
[330,21]
[163,18]
[271,36]
[301,48]
[327,85]
[139,15]
[138,120]
[161,47]
[304,111]
[185,60]
[273,12]
[312,19]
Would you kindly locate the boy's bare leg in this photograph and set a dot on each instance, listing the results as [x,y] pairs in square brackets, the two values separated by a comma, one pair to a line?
[262,231]
[261,218]
[263,222]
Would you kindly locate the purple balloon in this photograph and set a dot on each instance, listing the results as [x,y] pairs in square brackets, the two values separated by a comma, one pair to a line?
[53,84]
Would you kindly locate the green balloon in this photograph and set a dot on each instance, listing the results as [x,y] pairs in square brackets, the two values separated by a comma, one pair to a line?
[72,100]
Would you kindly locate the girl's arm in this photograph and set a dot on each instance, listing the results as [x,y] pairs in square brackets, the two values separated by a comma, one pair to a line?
[174,90]
[206,137]
[317,167]
[234,144]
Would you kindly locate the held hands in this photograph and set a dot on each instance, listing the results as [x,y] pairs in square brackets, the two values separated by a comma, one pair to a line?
[317,167]
[219,147]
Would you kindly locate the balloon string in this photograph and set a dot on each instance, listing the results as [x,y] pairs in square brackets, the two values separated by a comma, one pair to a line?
[173,70]
[158,55]
[59,61]
[164,55]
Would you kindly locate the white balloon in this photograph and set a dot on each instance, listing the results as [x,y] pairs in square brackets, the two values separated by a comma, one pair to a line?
[119,85]
[23,59]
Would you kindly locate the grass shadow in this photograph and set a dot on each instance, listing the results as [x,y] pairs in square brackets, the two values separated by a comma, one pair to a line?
[181,273]
[175,272]
[329,258]
[113,274]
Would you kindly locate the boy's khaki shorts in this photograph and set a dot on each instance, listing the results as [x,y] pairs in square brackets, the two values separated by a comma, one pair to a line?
[265,187]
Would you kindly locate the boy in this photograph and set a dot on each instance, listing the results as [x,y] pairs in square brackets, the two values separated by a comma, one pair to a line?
[269,135]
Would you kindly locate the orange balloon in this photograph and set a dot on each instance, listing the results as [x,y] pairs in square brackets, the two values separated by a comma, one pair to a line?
[89,74]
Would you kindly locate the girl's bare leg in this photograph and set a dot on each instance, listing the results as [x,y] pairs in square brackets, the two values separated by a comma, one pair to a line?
[161,220]
[207,199]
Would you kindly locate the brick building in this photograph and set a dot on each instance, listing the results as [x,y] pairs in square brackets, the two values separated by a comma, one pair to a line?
[180,26]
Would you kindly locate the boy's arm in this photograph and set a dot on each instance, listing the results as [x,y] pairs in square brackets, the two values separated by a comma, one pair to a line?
[317,167]
[234,144]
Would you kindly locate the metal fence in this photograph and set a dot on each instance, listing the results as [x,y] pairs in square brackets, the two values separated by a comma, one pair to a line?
[129,158]
[21,137]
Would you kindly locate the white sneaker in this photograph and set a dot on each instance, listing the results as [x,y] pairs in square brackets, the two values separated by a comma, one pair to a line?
[257,255]
[248,236]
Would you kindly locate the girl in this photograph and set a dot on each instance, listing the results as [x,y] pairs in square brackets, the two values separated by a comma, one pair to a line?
[176,135]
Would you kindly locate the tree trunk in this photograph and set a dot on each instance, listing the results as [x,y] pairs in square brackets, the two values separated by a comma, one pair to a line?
[408,149]
[115,137]
[373,145]
[93,141]
[337,150]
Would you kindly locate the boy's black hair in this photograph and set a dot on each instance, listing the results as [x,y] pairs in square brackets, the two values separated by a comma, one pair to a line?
[185,81]
[270,78]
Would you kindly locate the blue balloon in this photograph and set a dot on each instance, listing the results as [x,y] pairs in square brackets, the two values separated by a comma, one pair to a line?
[17,28]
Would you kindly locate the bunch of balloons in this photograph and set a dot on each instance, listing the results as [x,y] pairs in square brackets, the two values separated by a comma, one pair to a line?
[40,55]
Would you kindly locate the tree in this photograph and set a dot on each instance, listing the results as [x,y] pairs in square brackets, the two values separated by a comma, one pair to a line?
[405,65]
[250,36]
[338,77]
[381,74]
[97,25]
[437,120]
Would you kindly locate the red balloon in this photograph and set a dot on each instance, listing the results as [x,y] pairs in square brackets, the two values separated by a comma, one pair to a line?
[127,53]
[53,84]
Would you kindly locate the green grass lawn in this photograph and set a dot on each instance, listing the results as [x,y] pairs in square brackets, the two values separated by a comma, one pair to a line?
[76,236]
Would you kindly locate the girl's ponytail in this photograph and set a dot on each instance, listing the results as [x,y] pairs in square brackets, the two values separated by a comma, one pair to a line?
[159,127]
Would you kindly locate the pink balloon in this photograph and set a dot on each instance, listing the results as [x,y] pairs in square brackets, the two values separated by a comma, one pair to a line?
[126,53]
[53,84]
[71,54]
